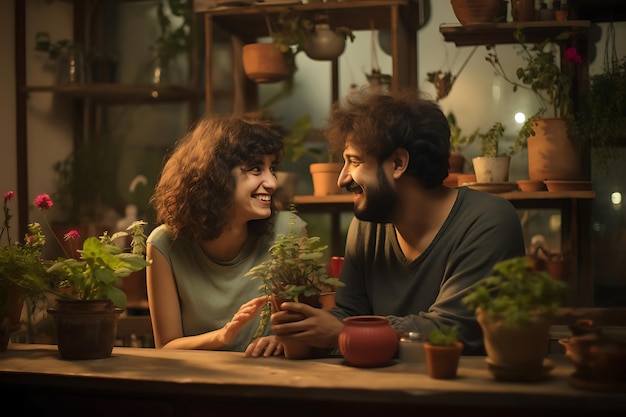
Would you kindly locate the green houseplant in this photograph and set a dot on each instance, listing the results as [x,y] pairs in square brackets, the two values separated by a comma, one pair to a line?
[515,307]
[493,164]
[559,157]
[22,271]
[443,352]
[457,141]
[294,271]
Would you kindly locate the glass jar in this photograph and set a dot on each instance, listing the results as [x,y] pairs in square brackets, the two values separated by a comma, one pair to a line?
[412,347]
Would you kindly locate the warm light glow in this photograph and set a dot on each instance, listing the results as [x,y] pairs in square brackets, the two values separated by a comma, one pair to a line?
[555,222]
[616,198]
[520,117]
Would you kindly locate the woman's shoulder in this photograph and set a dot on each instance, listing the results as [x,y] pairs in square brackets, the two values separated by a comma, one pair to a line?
[159,235]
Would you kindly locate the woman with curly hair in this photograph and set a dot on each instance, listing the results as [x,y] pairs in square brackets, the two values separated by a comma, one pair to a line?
[218,220]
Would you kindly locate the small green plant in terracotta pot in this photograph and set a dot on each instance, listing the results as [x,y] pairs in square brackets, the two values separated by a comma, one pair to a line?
[443,352]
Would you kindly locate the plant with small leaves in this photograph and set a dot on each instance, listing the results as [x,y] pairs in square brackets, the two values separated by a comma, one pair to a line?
[457,139]
[517,292]
[444,336]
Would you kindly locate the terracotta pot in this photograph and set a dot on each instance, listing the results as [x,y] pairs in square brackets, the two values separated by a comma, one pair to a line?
[324,44]
[264,63]
[479,11]
[294,349]
[457,162]
[529,185]
[367,341]
[85,329]
[325,175]
[11,303]
[518,347]
[551,154]
[442,362]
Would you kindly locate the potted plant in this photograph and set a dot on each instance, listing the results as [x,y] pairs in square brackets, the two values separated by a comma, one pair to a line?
[292,33]
[557,158]
[493,164]
[515,307]
[294,271]
[443,352]
[457,141]
[22,271]
[72,66]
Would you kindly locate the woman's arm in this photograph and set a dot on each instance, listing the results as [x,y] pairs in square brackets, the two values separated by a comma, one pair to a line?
[166,316]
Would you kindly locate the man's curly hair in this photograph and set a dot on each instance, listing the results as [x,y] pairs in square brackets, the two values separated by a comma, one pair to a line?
[194,196]
[379,124]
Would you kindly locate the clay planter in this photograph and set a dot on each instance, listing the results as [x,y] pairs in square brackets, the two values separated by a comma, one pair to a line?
[294,349]
[492,168]
[367,341]
[442,362]
[325,177]
[264,63]
[85,329]
[520,348]
[551,154]
[11,305]
[523,10]
[479,11]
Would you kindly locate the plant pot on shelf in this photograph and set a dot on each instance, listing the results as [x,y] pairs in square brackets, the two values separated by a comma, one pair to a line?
[492,169]
[523,10]
[324,44]
[479,11]
[442,362]
[367,341]
[551,154]
[325,175]
[85,329]
[264,63]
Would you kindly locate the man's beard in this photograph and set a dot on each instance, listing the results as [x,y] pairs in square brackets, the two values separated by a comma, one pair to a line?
[381,203]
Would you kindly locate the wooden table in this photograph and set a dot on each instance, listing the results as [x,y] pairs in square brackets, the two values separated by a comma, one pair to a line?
[136,381]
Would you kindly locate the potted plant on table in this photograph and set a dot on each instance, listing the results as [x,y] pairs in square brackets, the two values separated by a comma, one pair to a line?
[23,273]
[443,352]
[457,141]
[515,307]
[293,272]
[88,309]
[556,158]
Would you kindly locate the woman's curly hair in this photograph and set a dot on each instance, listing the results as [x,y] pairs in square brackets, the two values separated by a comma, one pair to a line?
[379,124]
[194,194]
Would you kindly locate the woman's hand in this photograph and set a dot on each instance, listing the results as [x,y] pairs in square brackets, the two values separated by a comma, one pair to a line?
[245,313]
[264,346]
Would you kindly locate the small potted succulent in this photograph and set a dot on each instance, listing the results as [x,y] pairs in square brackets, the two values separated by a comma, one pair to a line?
[493,164]
[294,271]
[443,352]
[515,307]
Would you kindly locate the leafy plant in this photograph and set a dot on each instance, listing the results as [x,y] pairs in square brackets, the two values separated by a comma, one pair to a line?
[173,40]
[102,263]
[490,142]
[541,75]
[517,292]
[21,264]
[295,267]
[54,49]
[457,139]
[445,336]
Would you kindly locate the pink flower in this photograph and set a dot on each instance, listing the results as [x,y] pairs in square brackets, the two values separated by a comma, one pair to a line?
[571,54]
[71,235]
[8,195]
[43,201]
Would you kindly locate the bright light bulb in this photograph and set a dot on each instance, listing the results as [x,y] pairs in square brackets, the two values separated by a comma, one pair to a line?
[616,198]
[520,117]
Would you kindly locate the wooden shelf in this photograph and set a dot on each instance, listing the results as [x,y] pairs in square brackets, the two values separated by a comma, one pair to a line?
[502,33]
[122,93]
[249,21]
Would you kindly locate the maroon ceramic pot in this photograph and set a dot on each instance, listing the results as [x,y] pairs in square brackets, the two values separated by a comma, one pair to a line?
[367,341]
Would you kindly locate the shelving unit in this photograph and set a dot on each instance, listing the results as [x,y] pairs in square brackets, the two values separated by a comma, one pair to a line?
[247,23]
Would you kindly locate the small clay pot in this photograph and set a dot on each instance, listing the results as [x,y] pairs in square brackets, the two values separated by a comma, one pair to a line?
[367,341]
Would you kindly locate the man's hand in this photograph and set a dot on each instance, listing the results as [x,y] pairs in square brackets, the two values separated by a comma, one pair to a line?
[313,326]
